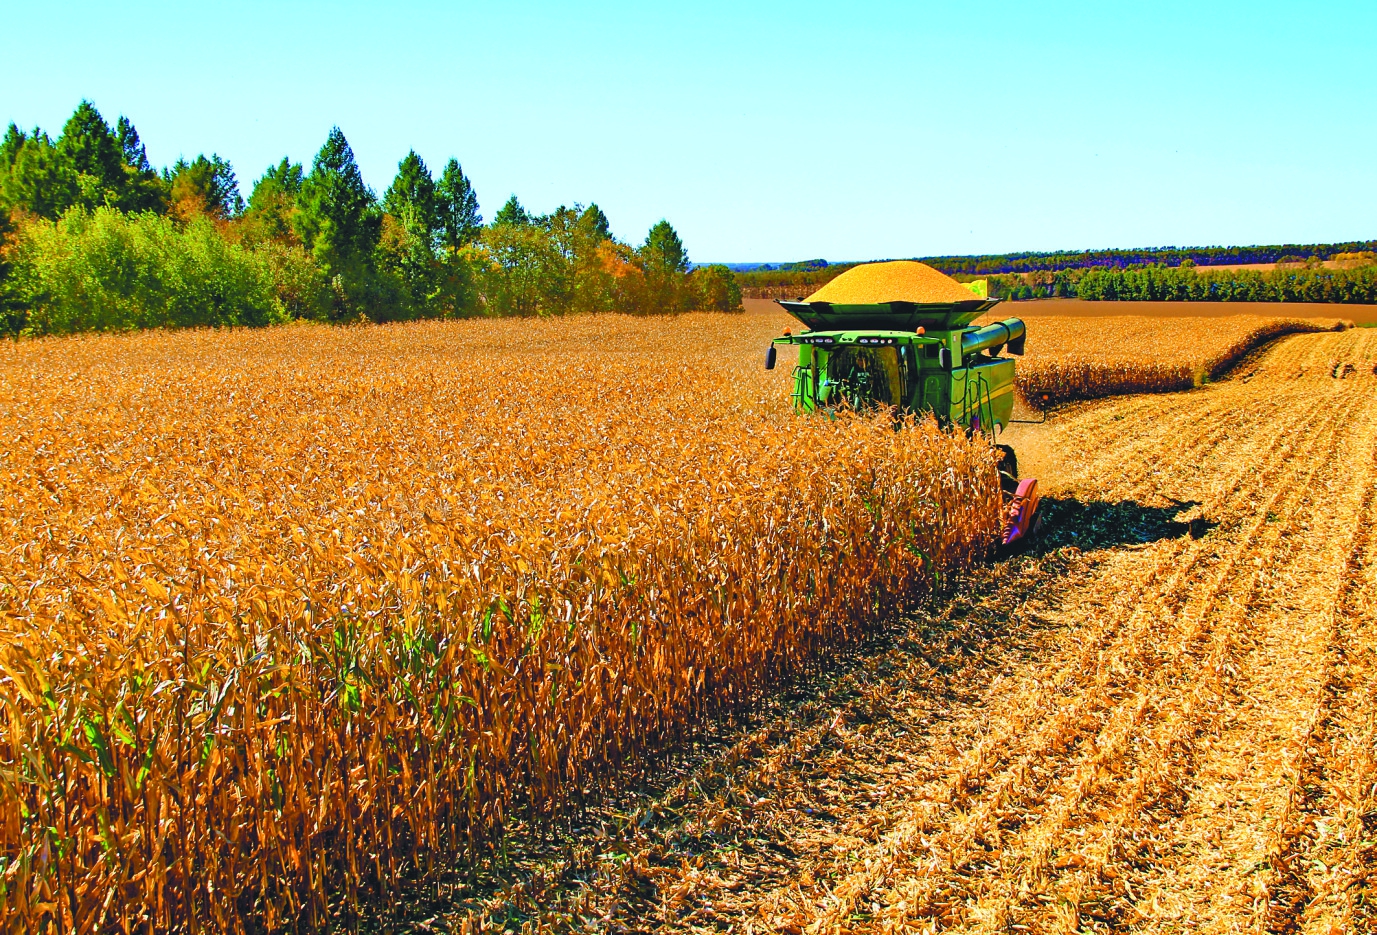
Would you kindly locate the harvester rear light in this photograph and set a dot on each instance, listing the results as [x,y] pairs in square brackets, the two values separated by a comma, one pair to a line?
[874,340]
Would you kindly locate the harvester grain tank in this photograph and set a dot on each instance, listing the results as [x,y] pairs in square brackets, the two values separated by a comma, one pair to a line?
[883,344]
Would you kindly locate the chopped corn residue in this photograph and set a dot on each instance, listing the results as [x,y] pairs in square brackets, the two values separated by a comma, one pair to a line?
[895,281]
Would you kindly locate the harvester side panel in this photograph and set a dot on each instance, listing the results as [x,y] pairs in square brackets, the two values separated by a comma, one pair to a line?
[983,394]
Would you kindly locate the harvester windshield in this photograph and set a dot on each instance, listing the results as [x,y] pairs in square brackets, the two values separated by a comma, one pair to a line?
[864,376]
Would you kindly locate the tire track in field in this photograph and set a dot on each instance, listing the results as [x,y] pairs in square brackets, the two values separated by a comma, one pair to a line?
[1159,671]
[1150,717]
[1332,423]
[1004,788]
[1323,459]
[1170,752]
[1223,850]
[1323,869]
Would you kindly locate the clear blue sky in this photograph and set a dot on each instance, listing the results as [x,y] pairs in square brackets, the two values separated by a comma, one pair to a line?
[770,131]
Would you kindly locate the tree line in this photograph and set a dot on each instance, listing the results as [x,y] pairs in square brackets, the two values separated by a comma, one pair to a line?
[92,237]
[808,276]
[1189,283]
[1153,256]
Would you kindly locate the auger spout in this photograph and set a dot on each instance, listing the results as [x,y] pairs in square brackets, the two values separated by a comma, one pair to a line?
[1010,331]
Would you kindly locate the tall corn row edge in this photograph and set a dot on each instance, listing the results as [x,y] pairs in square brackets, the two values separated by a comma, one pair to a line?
[1067,378]
[190,762]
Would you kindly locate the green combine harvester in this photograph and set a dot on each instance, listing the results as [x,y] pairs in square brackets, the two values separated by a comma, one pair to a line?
[916,358]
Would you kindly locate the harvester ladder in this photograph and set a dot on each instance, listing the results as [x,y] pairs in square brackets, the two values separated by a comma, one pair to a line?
[984,404]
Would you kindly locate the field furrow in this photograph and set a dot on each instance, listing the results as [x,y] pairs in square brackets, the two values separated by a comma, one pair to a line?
[1170,755]
[1195,648]
[1324,864]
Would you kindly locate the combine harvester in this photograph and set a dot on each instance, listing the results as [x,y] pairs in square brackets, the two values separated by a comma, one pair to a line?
[898,334]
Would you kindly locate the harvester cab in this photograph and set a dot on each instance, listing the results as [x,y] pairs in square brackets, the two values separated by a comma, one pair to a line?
[919,358]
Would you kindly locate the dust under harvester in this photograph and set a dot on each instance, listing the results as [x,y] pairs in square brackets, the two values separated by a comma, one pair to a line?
[899,334]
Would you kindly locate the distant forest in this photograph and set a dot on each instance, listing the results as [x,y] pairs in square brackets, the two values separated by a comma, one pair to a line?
[1159,274]
[94,238]
[1154,256]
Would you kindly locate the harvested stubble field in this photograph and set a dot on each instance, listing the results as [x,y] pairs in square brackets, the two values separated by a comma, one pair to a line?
[1159,718]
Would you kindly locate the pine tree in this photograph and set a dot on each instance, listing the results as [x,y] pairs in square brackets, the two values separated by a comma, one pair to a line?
[456,208]
[14,141]
[143,190]
[411,196]
[204,186]
[280,181]
[337,218]
[273,204]
[663,251]
[512,214]
[40,181]
[666,266]
[89,143]
[594,222]
[131,147]
[339,222]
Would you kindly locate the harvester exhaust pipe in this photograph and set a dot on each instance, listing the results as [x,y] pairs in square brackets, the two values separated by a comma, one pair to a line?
[1010,331]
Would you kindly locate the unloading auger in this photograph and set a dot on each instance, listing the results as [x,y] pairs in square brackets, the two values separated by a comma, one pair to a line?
[916,357]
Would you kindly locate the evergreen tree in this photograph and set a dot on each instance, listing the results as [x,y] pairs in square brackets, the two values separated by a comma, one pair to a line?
[512,214]
[411,196]
[666,266]
[131,147]
[273,203]
[40,181]
[92,149]
[594,222]
[339,222]
[204,186]
[458,220]
[143,190]
[14,141]
[280,181]
[663,251]
[407,249]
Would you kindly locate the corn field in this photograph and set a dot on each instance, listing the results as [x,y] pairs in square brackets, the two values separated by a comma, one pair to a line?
[1071,358]
[1161,719]
[290,615]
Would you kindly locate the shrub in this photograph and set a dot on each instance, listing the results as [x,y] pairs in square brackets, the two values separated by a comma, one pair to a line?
[716,288]
[106,270]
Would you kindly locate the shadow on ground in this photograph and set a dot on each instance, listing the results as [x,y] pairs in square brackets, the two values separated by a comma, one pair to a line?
[1101,524]
[968,627]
